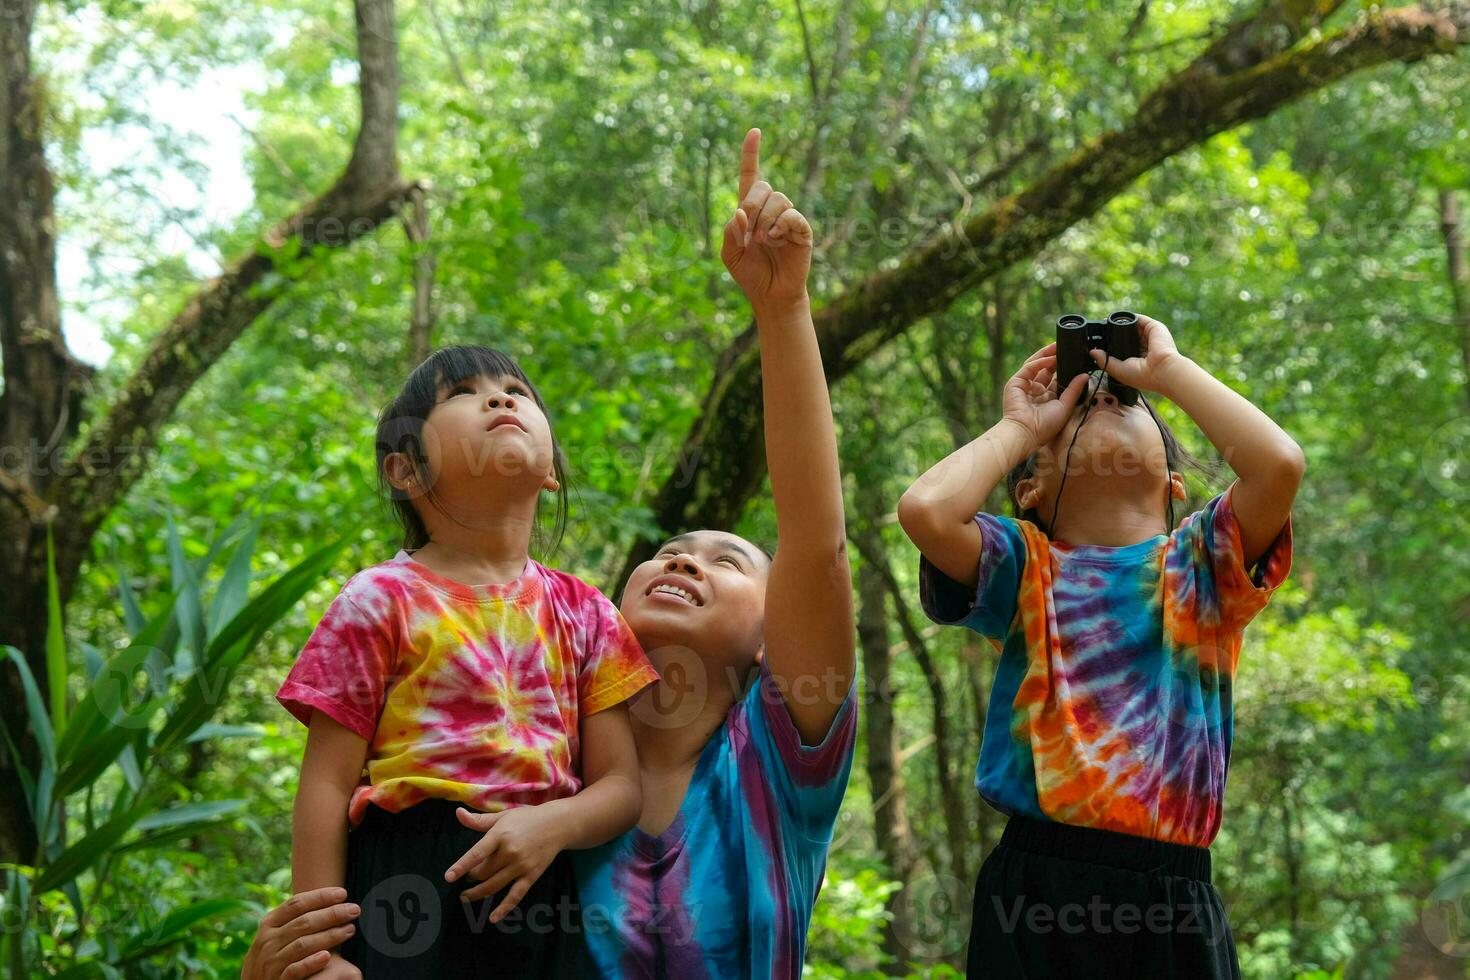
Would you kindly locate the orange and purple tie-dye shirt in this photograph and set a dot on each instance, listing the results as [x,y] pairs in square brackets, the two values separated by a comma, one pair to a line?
[1112,701]
[471,693]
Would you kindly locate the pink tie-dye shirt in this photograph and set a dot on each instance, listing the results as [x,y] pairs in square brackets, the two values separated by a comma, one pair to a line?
[471,693]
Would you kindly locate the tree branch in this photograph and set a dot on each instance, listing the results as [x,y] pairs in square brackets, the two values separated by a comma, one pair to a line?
[1205,98]
[369,191]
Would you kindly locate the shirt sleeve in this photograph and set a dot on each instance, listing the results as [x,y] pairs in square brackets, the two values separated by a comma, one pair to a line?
[343,669]
[810,780]
[613,666]
[990,609]
[1230,592]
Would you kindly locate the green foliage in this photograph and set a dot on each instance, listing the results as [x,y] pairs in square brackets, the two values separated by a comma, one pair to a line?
[111,807]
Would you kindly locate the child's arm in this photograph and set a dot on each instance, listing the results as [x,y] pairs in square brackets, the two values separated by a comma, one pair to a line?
[1267,462]
[938,510]
[331,768]
[809,619]
[521,842]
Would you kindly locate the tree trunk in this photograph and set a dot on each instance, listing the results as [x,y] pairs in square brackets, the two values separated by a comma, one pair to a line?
[44,480]
[1459,276]
[890,817]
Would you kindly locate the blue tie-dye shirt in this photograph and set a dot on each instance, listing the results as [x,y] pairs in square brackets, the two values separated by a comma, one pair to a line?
[727,890]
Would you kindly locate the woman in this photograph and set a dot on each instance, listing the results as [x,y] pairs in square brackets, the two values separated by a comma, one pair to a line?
[746,744]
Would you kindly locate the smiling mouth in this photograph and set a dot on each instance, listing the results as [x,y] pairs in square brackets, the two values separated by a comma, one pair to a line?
[676,592]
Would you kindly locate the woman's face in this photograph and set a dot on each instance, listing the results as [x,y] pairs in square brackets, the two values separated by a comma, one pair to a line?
[488,428]
[703,591]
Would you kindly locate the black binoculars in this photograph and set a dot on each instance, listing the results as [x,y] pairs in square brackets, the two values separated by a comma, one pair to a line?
[1077,336]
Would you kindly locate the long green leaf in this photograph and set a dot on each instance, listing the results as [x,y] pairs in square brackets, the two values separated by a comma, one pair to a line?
[189,813]
[132,615]
[189,607]
[89,850]
[55,640]
[175,927]
[234,585]
[40,720]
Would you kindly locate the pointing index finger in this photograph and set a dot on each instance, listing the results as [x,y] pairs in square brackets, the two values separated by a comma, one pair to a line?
[750,161]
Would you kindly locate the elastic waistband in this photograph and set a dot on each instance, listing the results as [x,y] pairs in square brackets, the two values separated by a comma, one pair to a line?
[1127,851]
[431,816]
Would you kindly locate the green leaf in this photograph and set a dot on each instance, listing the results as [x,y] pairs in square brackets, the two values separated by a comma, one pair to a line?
[132,615]
[86,852]
[55,640]
[189,813]
[175,927]
[189,606]
[234,585]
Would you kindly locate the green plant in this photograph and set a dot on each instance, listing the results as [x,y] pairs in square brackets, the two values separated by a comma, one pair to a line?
[100,790]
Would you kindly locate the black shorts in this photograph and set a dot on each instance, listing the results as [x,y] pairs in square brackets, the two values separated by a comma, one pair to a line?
[1057,901]
[413,923]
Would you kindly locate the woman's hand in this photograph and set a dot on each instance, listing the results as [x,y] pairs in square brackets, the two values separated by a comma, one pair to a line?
[1146,373]
[295,939]
[768,244]
[1031,400]
[518,845]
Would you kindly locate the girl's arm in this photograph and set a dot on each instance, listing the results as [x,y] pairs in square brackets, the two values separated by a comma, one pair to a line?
[938,511]
[809,619]
[330,770]
[521,842]
[1268,463]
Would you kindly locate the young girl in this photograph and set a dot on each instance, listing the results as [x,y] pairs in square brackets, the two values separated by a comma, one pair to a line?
[461,671]
[1110,722]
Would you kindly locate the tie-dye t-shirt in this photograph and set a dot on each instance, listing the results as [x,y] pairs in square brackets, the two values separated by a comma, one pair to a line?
[727,890]
[1111,705]
[470,693]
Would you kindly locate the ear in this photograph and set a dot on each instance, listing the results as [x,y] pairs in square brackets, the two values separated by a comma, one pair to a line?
[1028,494]
[760,654]
[550,483]
[398,469]
[1176,486]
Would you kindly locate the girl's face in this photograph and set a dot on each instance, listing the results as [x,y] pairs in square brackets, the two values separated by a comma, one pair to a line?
[704,591]
[1115,440]
[488,428]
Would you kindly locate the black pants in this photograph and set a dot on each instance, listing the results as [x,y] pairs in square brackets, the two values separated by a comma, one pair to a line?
[413,923]
[1058,901]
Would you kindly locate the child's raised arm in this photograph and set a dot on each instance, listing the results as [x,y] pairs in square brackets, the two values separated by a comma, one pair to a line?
[1268,463]
[937,511]
[809,618]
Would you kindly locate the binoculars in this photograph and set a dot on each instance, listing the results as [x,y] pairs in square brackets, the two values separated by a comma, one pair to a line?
[1077,336]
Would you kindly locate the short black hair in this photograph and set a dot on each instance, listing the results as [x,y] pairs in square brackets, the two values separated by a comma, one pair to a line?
[401,425]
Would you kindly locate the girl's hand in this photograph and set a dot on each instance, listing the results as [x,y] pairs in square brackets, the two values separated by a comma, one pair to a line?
[1031,401]
[1146,373]
[518,845]
[768,244]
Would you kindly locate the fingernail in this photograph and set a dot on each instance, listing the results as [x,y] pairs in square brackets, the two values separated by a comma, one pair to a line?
[354,910]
